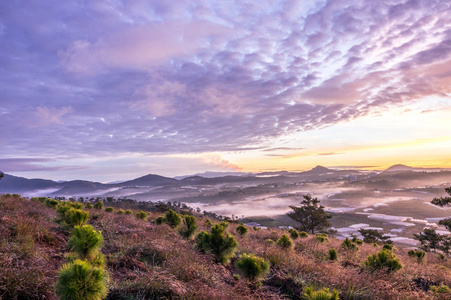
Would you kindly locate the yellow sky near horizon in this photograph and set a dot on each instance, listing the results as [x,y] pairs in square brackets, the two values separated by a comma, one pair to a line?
[417,136]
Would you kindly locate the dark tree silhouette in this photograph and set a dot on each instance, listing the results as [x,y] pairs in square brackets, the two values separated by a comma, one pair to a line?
[429,239]
[310,215]
[443,201]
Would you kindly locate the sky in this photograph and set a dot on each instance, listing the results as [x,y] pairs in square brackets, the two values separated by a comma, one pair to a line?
[114,90]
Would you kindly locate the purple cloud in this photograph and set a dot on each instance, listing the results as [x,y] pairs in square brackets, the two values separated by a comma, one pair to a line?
[197,76]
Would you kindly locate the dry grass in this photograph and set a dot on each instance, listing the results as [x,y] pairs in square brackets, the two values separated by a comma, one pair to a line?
[149,261]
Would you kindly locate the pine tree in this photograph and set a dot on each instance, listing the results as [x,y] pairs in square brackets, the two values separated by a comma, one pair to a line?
[310,215]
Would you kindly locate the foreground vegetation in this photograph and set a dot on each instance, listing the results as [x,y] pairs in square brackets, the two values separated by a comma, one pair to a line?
[164,255]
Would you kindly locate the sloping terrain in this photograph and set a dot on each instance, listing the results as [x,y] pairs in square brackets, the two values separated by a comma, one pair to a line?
[150,261]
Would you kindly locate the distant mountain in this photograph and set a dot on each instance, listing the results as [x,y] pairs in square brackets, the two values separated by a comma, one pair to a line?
[14,184]
[318,170]
[148,180]
[209,174]
[399,168]
[79,187]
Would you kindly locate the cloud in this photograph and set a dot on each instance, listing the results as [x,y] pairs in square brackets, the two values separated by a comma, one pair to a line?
[32,165]
[202,76]
[218,162]
[140,47]
[50,115]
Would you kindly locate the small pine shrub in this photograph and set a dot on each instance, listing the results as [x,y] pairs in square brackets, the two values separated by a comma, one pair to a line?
[98,205]
[384,259]
[62,208]
[129,212]
[252,267]
[81,281]
[241,229]
[172,218]
[293,233]
[357,241]
[324,294]
[160,220]
[333,254]
[89,205]
[225,224]
[441,289]
[109,209]
[417,254]
[221,244]
[189,227]
[321,237]
[303,234]
[75,217]
[269,242]
[349,245]
[236,276]
[388,247]
[256,228]
[141,215]
[39,199]
[77,205]
[208,223]
[51,202]
[86,242]
[285,242]
[120,212]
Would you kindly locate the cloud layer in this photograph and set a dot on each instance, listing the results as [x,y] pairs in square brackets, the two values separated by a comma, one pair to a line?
[138,76]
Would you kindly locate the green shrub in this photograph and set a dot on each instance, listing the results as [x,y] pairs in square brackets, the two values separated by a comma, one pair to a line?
[256,228]
[303,234]
[208,223]
[160,220]
[39,199]
[384,259]
[357,241]
[269,242]
[172,218]
[120,211]
[294,233]
[349,245]
[441,289]
[417,254]
[222,245]
[51,202]
[76,205]
[89,205]
[225,224]
[86,242]
[141,215]
[241,229]
[252,267]
[324,294]
[75,217]
[81,281]
[321,237]
[109,209]
[285,242]
[388,247]
[62,208]
[189,227]
[333,254]
[98,205]
[129,212]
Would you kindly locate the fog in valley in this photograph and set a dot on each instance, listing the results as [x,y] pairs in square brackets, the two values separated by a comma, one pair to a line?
[396,200]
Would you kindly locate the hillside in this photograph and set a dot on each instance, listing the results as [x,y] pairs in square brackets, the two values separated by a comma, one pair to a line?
[150,261]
